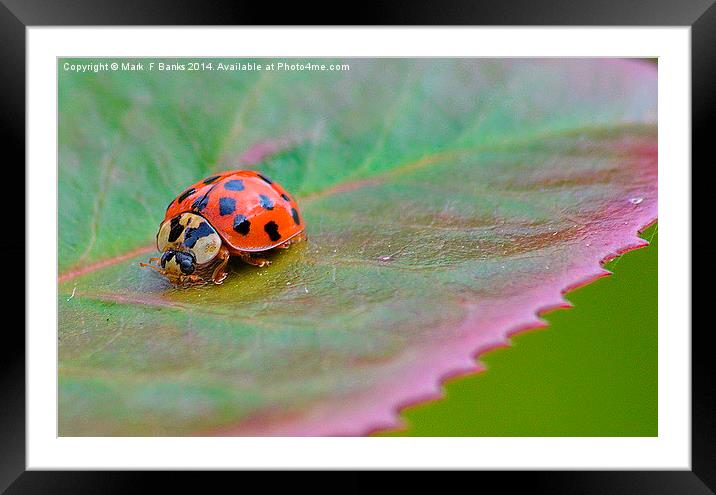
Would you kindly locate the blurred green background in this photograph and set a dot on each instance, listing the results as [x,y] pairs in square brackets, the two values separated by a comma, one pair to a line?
[591,372]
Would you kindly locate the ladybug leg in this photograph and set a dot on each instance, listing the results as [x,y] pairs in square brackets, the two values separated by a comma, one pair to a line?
[220,272]
[189,280]
[247,258]
[300,237]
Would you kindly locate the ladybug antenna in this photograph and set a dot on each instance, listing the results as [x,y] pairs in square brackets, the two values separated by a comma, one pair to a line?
[152,266]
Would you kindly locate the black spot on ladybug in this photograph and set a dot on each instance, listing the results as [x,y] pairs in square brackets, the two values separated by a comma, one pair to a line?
[296,218]
[266,201]
[234,185]
[200,203]
[285,197]
[241,224]
[272,230]
[186,194]
[175,229]
[227,206]
[194,234]
[211,179]
[265,179]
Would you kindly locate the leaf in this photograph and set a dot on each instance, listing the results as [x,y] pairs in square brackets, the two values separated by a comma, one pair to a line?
[447,202]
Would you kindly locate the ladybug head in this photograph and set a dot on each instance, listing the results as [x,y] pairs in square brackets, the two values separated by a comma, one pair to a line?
[178,266]
[178,262]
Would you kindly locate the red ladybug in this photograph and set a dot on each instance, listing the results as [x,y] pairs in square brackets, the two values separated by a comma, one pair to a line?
[235,213]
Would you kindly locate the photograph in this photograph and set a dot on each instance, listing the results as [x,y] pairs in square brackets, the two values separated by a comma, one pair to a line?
[357,246]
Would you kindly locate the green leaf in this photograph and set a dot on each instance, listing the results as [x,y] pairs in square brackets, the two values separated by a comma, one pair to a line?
[446,203]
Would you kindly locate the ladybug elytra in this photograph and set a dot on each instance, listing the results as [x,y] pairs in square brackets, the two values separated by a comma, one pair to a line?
[236,213]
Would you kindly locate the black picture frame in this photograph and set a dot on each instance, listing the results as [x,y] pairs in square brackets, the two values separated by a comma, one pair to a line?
[16,15]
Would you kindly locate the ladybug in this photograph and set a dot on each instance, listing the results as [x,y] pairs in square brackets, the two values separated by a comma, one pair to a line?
[235,213]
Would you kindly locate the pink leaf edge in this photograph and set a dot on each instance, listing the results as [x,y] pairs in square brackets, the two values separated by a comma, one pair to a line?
[380,409]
